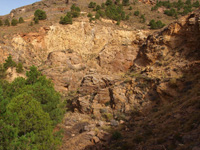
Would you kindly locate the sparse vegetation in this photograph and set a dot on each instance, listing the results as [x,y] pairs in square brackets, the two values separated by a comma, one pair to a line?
[174,8]
[113,11]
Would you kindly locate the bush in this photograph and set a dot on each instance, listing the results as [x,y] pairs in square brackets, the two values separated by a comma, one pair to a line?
[1,23]
[125,2]
[2,71]
[7,22]
[29,113]
[14,22]
[142,19]
[188,2]
[118,22]
[186,10]
[117,2]
[92,5]
[108,2]
[9,63]
[75,11]
[171,12]
[67,19]
[179,4]
[116,135]
[130,8]
[19,68]
[98,7]
[154,8]
[127,17]
[136,13]
[101,13]
[156,25]
[36,20]
[103,5]
[21,20]
[89,15]
[97,16]
[40,14]
[31,24]
[196,4]
[115,12]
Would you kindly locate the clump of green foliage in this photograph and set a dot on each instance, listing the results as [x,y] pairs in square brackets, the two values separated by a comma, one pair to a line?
[196,4]
[98,7]
[125,3]
[116,135]
[9,63]
[14,22]
[108,2]
[111,10]
[29,110]
[36,20]
[19,68]
[156,24]
[1,22]
[136,13]
[103,5]
[92,5]
[7,22]
[75,11]
[40,14]
[171,12]
[142,18]
[31,23]
[2,72]
[175,8]
[89,15]
[115,12]
[21,20]
[67,19]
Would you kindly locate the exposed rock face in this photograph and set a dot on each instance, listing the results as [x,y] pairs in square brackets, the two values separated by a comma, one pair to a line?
[74,49]
[181,36]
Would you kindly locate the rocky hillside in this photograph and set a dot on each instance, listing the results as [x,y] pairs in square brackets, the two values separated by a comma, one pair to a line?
[124,88]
